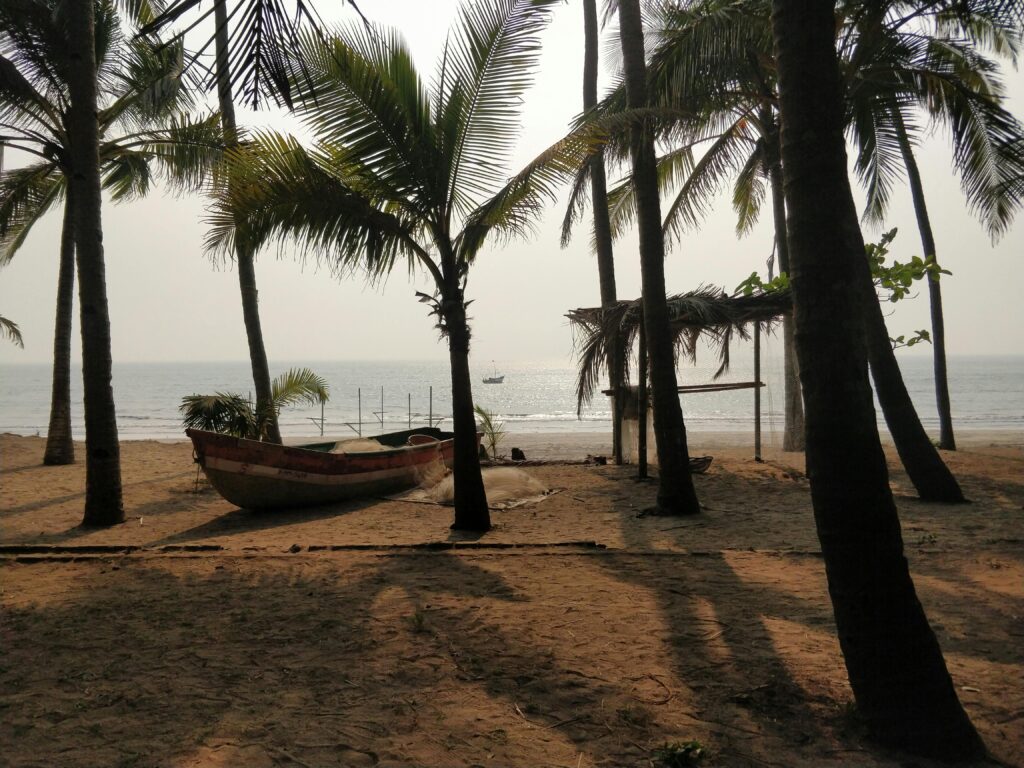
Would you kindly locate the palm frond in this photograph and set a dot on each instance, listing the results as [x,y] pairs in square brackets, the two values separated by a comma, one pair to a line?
[9,330]
[489,63]
[298,386]
[224,413]
[26,194]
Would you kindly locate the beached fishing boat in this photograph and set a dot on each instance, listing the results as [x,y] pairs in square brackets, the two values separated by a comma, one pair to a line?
[259,475]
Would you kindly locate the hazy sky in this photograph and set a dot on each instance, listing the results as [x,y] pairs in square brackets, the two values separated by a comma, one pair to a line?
[169,302]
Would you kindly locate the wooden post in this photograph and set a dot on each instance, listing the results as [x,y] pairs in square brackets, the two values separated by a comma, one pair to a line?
[757,392]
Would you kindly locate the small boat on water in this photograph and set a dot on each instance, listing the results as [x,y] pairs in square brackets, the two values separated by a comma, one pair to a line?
[258,475]
[494,378]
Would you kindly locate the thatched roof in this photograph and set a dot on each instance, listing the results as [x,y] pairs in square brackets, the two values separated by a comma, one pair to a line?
[707,312]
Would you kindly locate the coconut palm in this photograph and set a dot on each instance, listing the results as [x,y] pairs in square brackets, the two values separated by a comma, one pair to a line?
[898,71]
[142,131]
[676,493]
[73,26]
[716,55]
[400,170]
[255,45]
[896,669]
[603,246]
[231,414]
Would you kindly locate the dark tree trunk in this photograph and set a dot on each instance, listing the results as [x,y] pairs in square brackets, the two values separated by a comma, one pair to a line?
[793,435]
[925,467]
[60,448]
[947,441]
[895,666]
[244,254]
[471,512]
[676,494]
[103,502]
[602,224]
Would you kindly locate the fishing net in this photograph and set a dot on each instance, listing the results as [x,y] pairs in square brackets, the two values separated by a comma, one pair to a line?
[502,484]
[359,445]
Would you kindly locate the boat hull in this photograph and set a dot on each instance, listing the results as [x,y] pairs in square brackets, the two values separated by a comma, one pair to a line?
[261,476]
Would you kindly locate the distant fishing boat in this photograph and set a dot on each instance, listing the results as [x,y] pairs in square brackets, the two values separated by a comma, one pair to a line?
[494,378]
[257,475]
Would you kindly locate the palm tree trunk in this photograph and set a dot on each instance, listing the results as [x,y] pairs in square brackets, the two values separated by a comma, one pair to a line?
[471,512]
[60,448]
[602,225]
[676,494]
[925,467]
[896,669]
[244,253]
[103,501]
[947,441]
[793,432]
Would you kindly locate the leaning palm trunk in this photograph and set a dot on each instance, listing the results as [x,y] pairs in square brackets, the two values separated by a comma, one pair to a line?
[245,254]
[676,494]
[602,225]
[793,431]
[925,467]
[895,665]
[103,502]
[946,439]
[60,448]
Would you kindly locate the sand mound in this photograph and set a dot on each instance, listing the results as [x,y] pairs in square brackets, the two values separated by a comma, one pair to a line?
[501,484]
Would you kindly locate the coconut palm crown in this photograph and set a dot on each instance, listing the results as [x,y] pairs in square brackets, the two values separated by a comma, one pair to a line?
[402,170]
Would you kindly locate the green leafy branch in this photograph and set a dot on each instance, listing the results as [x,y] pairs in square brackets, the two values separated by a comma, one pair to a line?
[898,278]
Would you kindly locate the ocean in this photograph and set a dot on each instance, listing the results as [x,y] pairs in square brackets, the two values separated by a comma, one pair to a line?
[370,397]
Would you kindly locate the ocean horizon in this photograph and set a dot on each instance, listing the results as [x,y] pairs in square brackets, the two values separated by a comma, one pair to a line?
[369,397]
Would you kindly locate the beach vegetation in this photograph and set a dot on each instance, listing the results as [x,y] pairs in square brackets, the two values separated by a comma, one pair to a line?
[229,413]
[896,669]
[679,754]
[402,171]
[491,428]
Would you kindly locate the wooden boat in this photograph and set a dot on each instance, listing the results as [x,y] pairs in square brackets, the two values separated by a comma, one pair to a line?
[257,475]
[494,378]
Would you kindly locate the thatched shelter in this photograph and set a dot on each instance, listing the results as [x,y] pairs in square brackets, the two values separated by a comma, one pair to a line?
[706,312]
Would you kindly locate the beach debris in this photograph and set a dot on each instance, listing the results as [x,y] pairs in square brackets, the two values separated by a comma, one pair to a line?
[518,455]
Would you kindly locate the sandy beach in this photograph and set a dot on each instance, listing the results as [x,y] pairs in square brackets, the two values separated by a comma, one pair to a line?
[573,634]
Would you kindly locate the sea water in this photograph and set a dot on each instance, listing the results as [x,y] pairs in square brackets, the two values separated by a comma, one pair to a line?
[370,397]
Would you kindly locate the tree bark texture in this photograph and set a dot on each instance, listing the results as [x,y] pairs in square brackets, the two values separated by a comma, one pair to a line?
[895,666]
[602,224]
[244,254]
[103,499]
[60,448]
[676,493]
[947,440]
[471,512]
[793,431]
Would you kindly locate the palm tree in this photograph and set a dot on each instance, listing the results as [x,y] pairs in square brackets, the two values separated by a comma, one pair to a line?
[255,46]
[676,494]
[602,226]
[142,90]
[896,669]
[402,171]
[716,55]
[940,68]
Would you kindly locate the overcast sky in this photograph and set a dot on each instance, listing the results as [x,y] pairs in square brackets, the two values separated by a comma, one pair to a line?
[169,302]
